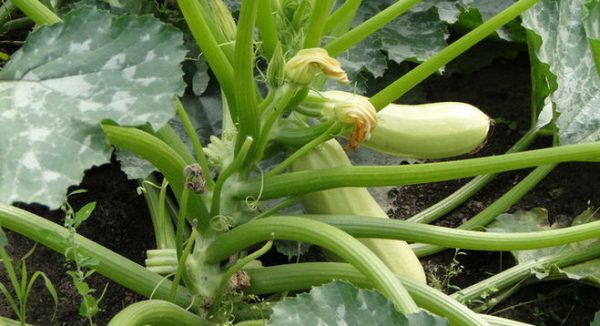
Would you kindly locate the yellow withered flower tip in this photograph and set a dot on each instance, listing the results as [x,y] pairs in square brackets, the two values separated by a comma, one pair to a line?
[302,68]
[359,112]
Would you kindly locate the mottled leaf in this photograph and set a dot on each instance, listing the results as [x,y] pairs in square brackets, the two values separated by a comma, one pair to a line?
[592,29]
[567,51]
[487,9]
[68,78]
[537,220]
[340,303]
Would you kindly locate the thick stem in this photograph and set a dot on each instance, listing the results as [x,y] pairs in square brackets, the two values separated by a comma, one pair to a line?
[243,63]
[301,229]
[316,24]
[110,264]
[496,208]
[449,203]
[191,133]
[297,183]
[342,17]
[35,10]
[368,27]
[163,157]
[294,277]
[267,28]
[363,227]
[521,271]
[157,312]
[219,64]
[433,64]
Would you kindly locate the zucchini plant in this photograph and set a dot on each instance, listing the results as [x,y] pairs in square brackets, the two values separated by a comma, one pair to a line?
[86,78]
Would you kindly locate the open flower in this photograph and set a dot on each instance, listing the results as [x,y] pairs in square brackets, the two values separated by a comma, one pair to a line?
[302,68]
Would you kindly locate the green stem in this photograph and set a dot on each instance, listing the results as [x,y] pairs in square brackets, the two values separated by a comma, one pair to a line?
[523,270]
[283,98]
[219,64]
[296,183]
[499,206]
[171,138]
[158,313]
[161,156]
[287,202]
[35,10]
[215,208]
[368,27]
[243,63]
[234,269]
[191,133]
[330,132]
[449,203]
[18,23]
[6,10]
[110,264]
[161,221]
[433,64]
[331,238]
[267,28]
[179,232]
[316,23]
[181,262]
[301,136]
[342,17]
[363,227]
[294,277]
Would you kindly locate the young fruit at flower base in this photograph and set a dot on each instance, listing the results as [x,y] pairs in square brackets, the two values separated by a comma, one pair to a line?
[429,131]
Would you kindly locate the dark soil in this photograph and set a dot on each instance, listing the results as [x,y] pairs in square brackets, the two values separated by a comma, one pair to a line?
[121,221]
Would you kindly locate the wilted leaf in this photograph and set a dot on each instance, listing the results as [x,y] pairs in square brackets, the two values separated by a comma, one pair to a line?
[58,88]
[340,303]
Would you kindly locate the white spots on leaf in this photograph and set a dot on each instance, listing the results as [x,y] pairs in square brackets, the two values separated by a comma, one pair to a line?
[49,176]
[30,161]
[36,134]
[145,38]
[80,47]
[146,81]
[85,145]
[75,86]
[121,101]
[31,76]
[129,72]
[115,62]
[150,55]
[87,106]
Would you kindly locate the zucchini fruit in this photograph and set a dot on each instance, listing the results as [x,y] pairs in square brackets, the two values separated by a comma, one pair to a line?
[396,254]
[429,131]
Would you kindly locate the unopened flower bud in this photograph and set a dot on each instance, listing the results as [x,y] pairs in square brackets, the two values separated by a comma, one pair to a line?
[224,19]
[303,67]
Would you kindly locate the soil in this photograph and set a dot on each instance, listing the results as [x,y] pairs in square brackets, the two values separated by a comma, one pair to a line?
[121,221]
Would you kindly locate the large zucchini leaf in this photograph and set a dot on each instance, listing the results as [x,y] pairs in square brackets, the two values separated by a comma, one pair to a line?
[68,78]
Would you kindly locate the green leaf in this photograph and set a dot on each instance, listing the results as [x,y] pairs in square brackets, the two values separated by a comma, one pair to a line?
[567,51]
[83,213]
[537,220]
[526,221]
[482,10]
[63,82]
[592,29]
[340,303]
[596,321]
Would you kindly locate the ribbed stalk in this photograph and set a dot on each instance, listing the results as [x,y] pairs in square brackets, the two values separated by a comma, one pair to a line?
[110,264]
[35,10]
[296,183]
[301,229]
[362,227]
[159,313]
